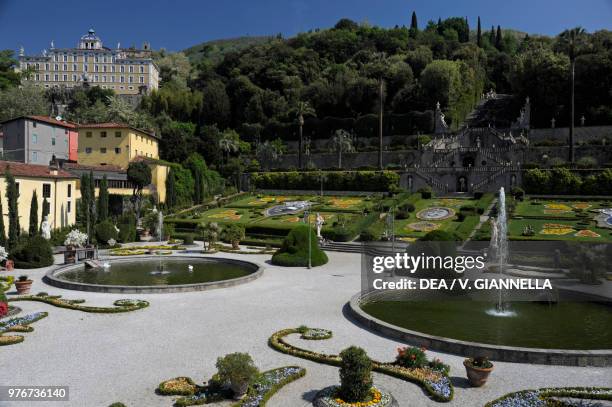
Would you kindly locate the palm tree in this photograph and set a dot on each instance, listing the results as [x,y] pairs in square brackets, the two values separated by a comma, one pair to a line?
[300,110]
[342,142]
[377,68]
[268,152]
[229,142]
[572,42]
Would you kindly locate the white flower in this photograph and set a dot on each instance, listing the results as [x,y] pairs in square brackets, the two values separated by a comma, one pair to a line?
[3,253]
[76,238]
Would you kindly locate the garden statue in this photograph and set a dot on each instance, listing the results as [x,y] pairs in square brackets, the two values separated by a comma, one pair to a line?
[45,228]
[319,223]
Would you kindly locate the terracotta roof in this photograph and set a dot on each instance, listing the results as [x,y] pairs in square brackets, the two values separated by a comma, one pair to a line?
[46,119]
[114,126]
[32,171]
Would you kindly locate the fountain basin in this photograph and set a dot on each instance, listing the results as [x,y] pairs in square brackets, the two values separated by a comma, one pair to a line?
[441,336]
[144,275]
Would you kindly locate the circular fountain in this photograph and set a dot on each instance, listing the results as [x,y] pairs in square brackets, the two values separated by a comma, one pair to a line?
[147,275]
[572,329]
[287,208]
[435,213]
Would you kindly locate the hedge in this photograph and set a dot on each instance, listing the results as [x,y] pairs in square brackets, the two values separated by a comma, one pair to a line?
[294,251]
[375,181]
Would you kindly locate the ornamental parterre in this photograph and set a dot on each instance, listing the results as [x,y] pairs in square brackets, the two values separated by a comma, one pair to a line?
[572,397]
[328,398]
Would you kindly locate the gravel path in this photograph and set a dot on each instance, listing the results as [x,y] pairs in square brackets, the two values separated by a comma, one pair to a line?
[106,358]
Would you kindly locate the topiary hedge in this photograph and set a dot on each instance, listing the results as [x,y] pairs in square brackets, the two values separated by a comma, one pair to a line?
[105,231]
[294,251]
[377,181]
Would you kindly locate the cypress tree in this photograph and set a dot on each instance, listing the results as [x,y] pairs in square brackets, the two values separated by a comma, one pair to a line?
[492,36]
[414,25]
[103,200]
[498,38]
[46,209]
[33,230]
[84,204]
[170,190]
[12,196]
[479,34]
[2,231]
[93,213]
[197,197]
[439,28]
[467,31]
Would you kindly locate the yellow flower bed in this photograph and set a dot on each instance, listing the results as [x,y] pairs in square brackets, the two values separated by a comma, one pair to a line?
[408,239]
[228,214]
[554,211]
[422,226]
[557,231]
[447,202]
[374,393]
[581,205]
[345,203]
[587,233]
[558,207]
[293,219]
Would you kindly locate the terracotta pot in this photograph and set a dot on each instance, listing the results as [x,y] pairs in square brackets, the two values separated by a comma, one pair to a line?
[236,245]
[239,389]
[23,287]
[477,376]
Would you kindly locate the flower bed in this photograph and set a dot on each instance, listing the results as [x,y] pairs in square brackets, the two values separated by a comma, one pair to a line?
[260,390]
[328,398]
[435,382]
[539,398]
[19,324]
[124,305]
[316,334]
[127,252]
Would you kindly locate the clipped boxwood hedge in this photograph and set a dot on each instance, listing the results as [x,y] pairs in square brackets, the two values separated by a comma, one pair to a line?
[376,181]
[294,251]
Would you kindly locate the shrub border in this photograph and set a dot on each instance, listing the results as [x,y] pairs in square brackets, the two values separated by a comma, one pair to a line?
[277,343]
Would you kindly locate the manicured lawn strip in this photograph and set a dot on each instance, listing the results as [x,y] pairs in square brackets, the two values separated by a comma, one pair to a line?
[538,398]
[417,375]
[57,301]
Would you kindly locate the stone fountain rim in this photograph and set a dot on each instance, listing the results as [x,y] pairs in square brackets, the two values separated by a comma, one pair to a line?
[51,278]
[502,353]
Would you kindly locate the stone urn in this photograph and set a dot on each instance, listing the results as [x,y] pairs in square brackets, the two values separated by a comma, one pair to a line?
[23,286]
[477,376]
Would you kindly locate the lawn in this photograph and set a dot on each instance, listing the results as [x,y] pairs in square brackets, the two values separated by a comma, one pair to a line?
[555,209]
[569,230]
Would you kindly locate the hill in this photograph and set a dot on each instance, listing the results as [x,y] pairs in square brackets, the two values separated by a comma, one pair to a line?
[215,50]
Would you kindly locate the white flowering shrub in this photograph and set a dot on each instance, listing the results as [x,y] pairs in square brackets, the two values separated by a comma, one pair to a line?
[76,238]
[3,254]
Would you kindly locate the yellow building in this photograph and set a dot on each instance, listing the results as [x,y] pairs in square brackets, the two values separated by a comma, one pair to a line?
[115,144]
[59,187]
[127,71]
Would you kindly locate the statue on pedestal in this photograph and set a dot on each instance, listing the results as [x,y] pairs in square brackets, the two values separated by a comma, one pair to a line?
[319,221]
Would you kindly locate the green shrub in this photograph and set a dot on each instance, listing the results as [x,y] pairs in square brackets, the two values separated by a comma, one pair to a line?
[426,192]
[236,368]
[105,231]
[367,236]
[460,216]
[294,251]
[411,357]
[478,194]
[127,228]
[233,233]
[117,405]
[58,236]
[32,252]
[382,181]
[355,375]
[188,239]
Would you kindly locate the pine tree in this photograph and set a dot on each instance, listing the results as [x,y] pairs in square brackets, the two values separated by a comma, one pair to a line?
[103,200]
[498,38]
[12,196]
[33,230]
[2,231]
[479,34]
[414,26]
[170,190]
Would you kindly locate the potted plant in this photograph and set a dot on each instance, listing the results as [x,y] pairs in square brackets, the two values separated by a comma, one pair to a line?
[478,370]
[238,370]
[23,285]
[233,233]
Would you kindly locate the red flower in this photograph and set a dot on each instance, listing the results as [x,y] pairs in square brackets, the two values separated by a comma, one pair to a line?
[3,309]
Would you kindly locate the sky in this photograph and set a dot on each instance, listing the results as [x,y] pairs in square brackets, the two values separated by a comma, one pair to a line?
[179,24]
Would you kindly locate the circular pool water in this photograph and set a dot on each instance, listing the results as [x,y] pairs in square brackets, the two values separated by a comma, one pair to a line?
[155,275]
[562,325]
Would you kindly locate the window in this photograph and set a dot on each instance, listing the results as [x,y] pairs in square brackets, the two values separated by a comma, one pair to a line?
[141,69]
[142,79]
[117,150]
[34,124]
[34,156]
[103,150]
[47,77]
[122,69]
[65,58]
[88,134]
[52,141]
[131,68]
[34,138]
[56,67]
[69,190]
[117,134]
[65,78]
[122,80]
[46,67]
[88,150]
[103,134]
[131,79]
[46,191]
[74,67]
[56,77]
[65,67]
[96,68]
[17,187]
[68,204]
